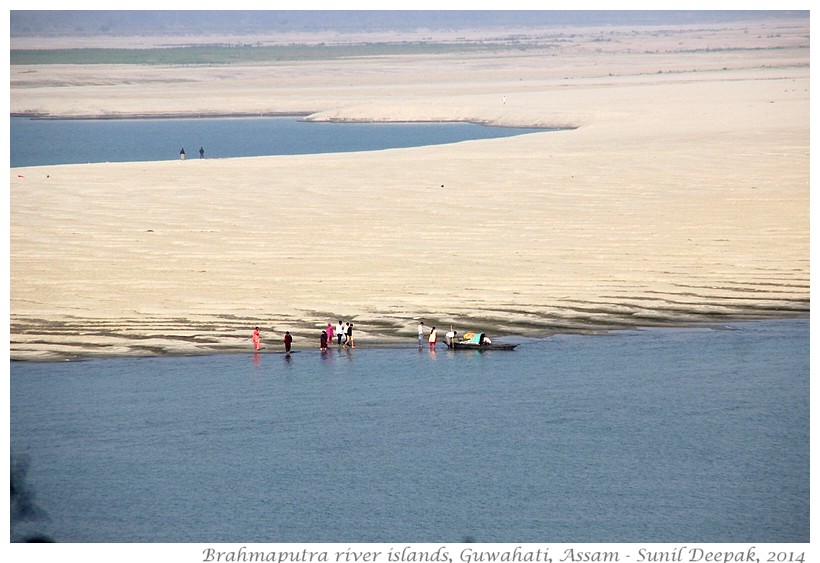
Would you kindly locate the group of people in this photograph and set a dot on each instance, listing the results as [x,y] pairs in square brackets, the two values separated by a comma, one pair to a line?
[182,153]
[432,339]
[343,332]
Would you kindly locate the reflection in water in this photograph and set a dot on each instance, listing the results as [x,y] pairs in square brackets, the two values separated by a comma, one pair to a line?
[22,507]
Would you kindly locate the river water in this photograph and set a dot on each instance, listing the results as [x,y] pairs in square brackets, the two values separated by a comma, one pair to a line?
[37,142]
[661,435]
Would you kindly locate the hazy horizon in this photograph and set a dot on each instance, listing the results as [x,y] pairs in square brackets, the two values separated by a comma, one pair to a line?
[34,23]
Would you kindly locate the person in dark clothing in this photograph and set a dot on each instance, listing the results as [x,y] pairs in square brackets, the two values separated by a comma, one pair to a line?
[201,152]
[288,340]
[350,342]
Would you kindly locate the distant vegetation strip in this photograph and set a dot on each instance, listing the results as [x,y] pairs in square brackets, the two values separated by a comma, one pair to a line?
[228,54]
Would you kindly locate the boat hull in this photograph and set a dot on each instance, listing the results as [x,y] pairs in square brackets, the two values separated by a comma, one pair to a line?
[482,347]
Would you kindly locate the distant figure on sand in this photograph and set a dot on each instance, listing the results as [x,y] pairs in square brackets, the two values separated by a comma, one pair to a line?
[421,333]
[323,341]
[201,152]
[432,339]
[288,341]
[182,154]
[257,338]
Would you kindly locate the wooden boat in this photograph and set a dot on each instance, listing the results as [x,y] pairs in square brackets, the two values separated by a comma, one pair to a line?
[479,341]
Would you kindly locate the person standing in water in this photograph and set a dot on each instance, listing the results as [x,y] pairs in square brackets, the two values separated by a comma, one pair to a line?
[350,341]
[257,338]
[288,341]
[340,333]
[323,341]
[329,333]
[421,333]
[433,338]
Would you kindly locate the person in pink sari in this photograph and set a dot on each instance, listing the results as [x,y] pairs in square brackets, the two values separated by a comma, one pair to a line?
[257,338]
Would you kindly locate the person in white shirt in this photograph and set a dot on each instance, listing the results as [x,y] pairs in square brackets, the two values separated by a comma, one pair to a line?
[432,339]
[340,333]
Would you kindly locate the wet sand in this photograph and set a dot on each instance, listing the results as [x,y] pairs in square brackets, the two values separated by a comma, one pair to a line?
[680,194]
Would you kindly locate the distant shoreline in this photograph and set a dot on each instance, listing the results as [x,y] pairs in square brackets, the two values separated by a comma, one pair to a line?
[170,347]
[302,115]
[198,115]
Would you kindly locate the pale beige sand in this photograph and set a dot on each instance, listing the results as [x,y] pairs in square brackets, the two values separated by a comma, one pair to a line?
[682,195]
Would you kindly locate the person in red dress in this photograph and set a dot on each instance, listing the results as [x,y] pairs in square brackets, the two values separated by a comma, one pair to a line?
[257,338]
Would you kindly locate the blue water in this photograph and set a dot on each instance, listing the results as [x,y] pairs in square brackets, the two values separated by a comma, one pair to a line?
[36,142]
[663,435]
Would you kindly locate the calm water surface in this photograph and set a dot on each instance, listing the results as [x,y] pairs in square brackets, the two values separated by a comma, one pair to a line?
[684,435]
[36,142]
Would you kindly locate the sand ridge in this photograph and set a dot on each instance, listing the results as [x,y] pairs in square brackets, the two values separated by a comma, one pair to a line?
[680,194]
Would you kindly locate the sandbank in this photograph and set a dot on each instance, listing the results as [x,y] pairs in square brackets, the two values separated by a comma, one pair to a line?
[679,193]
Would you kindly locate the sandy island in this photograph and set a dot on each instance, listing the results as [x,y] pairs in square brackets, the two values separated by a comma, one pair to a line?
[679,195]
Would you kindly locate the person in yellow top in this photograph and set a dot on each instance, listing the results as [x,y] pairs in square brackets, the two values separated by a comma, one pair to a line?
[432,339]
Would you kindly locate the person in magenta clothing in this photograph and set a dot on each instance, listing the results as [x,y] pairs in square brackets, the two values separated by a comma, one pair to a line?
[329,330]
[257,338]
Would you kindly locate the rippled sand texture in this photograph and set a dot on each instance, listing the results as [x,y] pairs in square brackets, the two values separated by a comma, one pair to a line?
[680,195]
